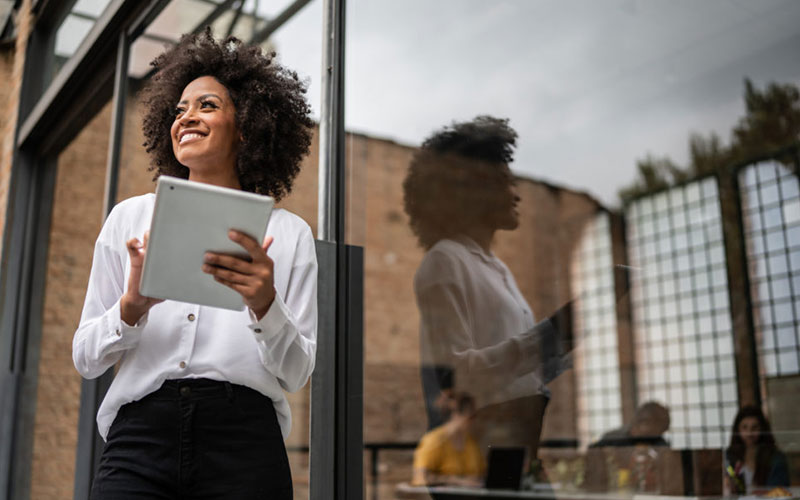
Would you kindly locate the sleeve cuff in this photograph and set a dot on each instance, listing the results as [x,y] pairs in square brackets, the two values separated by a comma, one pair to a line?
[272,322]
[542,345]
[119,332]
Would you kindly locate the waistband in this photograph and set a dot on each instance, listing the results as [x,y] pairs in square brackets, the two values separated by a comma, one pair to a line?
[202,388]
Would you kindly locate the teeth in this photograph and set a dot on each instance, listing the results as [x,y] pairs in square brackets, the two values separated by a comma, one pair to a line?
[189,136]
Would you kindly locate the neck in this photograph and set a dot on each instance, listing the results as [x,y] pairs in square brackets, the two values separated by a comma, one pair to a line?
[483,236]
[217,177]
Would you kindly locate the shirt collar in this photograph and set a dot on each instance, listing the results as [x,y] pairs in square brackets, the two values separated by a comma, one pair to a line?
[474,248]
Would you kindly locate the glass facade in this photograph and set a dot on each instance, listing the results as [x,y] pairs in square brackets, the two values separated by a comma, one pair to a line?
[771,213]
[74,28]
[597,365]
[682,317]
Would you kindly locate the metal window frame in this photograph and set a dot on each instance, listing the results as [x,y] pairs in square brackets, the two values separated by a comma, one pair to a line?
[662,297]
[49,119]
[745,248]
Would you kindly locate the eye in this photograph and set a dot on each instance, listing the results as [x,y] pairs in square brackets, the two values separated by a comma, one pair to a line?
[179,110]
[208,105]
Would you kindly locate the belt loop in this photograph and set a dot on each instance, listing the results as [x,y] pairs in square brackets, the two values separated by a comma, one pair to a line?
[229,390]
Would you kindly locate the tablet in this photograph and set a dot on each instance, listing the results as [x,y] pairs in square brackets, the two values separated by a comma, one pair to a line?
[190,219]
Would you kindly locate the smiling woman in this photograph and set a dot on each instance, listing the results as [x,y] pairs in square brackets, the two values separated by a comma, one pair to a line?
[267,101]
[198,402]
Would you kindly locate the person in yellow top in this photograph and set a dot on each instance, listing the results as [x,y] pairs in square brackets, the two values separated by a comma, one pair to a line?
[449,454]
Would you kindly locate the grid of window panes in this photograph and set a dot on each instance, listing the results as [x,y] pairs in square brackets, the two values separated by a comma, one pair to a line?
[681,311]
[597,358]
[771,212]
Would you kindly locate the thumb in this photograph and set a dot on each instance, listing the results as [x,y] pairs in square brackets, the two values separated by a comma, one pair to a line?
[267,243]
[134,247]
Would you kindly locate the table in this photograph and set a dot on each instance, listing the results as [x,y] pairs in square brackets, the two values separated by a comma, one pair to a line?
[406,491]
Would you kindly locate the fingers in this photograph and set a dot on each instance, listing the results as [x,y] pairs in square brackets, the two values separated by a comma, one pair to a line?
[239,287]
[253,248]
[134,247]
[227,275]
[228,261]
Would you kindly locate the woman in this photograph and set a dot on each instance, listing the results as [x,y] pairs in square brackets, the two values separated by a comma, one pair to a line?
[197,407]
[753,458]
[475,324]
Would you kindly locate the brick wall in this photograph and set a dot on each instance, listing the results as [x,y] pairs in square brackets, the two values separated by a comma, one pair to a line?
[12,62]
[77,217]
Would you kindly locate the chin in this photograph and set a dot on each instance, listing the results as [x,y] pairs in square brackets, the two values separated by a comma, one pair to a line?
[510,225]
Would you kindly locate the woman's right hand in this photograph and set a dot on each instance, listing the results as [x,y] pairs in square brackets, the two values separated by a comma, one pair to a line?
[134,305]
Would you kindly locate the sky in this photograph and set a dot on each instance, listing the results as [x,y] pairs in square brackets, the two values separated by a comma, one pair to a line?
[589,85]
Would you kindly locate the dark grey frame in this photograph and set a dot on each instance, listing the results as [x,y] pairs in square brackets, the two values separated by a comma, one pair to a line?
[49,118]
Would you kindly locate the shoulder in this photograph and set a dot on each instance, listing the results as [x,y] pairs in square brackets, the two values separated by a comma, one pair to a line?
[292,234]
[132,208]
[289,227]
[128,217]
[433,439]
[289,222]
[445,262]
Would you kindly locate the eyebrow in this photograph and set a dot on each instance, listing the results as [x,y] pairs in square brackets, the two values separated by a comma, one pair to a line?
[201,98]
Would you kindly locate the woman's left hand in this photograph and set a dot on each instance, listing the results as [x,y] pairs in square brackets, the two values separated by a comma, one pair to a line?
[253,280]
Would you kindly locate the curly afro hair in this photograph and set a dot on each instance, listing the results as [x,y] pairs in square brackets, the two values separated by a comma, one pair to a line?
[272,114]
[457,176]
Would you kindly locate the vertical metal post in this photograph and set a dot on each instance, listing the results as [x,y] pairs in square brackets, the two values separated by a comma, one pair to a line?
[90,444]
[624,316]
[336,444]
[117,124]
[330,215]
[741,307]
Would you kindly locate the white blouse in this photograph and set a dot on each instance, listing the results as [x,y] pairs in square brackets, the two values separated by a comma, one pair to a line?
[180,340]
[474,320]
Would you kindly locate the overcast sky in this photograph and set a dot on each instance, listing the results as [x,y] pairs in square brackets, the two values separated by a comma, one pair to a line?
[589,85]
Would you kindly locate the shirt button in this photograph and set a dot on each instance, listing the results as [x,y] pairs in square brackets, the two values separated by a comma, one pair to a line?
[190,317]
[257,330]
[185,391]
[118,333]
[182,364]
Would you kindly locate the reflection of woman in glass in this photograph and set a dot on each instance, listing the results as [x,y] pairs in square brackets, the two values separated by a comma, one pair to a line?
[753,458]
[197,405]
[475,324]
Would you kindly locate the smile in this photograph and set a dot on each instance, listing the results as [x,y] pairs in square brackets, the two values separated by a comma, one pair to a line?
[192,136]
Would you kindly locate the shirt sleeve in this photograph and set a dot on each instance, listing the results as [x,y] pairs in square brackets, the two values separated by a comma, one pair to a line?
[287,334]
[102,337]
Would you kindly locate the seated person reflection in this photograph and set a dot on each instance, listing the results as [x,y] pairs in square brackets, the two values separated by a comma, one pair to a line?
[649,423]
[626,457]
[458,193]
[449,454]
[753,459]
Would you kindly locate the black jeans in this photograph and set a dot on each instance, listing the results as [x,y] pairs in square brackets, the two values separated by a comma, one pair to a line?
[195,439]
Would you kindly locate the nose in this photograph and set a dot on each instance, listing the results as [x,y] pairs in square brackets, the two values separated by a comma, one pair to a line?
[188,117]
